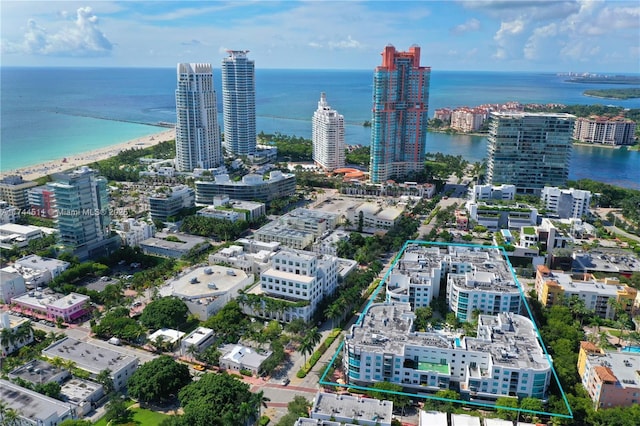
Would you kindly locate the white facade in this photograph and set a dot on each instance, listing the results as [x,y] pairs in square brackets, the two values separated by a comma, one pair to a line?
[302,278]
[566,203]
[505,359]
[11,285]
[328,136]
[33,408]
[94,359]
[8,213]
[133,231]
[15,332]
[201,338]
[18,235]
[239,103]
[374,215]
[197,133]
[493,192]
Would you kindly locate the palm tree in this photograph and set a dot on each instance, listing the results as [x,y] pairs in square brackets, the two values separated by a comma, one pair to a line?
[314,336]
[192,351]
[333,312]
[305,348]
[7,338]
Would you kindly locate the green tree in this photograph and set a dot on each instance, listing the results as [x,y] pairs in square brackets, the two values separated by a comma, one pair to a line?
[218,399]
[391,392]
[531,404]
[104,378]
[117,411]
[507,408]
[158,380]
[51,389]
[166,312]
[76,422]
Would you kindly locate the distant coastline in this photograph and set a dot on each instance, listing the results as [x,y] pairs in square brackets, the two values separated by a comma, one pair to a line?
[628,93]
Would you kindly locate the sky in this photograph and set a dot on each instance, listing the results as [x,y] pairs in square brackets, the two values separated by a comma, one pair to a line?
[492,35]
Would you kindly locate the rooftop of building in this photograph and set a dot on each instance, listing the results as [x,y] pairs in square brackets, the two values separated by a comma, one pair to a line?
[36,262]
[39,371]
[490,270]
[283,275]
[586,284]
[46,297]
[620,367]
[30,404]
[353,407]
[522,114]
[186,243]
[606,261]
[197,336]
[14,228]
[87,356]
[168,335]
[6,276]
[465,420]
[207,281]
[244,355]
[78,390]
[508,338]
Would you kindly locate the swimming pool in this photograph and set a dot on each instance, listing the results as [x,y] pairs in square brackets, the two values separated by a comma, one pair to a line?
[635,349]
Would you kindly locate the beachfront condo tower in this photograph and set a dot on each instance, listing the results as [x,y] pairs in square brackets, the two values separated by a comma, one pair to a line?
[529,150]
[239,103]
[328,136]
[82,208]
[399,121]
[197,132]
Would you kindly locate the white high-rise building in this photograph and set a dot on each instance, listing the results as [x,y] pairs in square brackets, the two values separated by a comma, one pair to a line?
[197,133]
[328,136]
[239,103]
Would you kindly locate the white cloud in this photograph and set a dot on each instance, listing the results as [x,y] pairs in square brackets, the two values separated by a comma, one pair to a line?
[348,43]
[314,44]
[79,38]
[471,25]
[533,48]
[505,37]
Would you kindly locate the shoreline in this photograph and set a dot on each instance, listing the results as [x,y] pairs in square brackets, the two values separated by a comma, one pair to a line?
[37,171]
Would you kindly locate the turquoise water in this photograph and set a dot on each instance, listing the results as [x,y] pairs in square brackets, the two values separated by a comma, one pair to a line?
[635,349]
[50,113]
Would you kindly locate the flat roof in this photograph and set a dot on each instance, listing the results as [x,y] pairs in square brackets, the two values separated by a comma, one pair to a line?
[508,339]
[625,366]
[30,404]
[78,390]
[244,355]
[197,336]
[433,418]
[207,281]
[38,371]
[34,261]
[464,420]
[69,300]
[87,356]
[170,335]
[353,407]
[272,272]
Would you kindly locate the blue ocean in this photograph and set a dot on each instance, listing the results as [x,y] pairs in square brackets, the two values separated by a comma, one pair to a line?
[50,113]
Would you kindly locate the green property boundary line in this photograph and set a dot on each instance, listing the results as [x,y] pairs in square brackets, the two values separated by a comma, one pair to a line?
[323,382]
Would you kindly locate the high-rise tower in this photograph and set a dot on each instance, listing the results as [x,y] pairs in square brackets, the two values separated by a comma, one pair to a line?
[82,207]
[399,121]
[197,132]
[529,150]
[328,136]
[239,103]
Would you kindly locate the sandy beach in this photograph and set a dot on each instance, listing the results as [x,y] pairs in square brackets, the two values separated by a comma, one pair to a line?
[77,160]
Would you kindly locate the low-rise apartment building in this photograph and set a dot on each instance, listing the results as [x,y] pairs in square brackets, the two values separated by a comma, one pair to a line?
[373,215]
[477,279]
[13,235]
[16,332]
[69,308]
[555,287]
[233,210]
[566,203]
[12,285]
[498,216]
[299,228]
[133,231]
[34,408]
[493,192]
[505,359]
[200,339]
[94,359]
[348,409]
[612,379]
[293,287]
[39,271]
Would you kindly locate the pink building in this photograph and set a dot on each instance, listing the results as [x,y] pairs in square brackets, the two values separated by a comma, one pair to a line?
[52,305]
[612,379]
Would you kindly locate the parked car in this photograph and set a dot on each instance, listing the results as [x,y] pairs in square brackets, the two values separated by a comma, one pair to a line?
[285,381]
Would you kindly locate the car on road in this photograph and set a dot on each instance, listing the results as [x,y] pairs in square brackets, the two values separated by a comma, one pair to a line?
[199,367]
[285,381]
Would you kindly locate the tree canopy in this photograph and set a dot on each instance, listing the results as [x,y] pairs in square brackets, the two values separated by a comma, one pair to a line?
[218,399]
[166,312]
[158,380]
